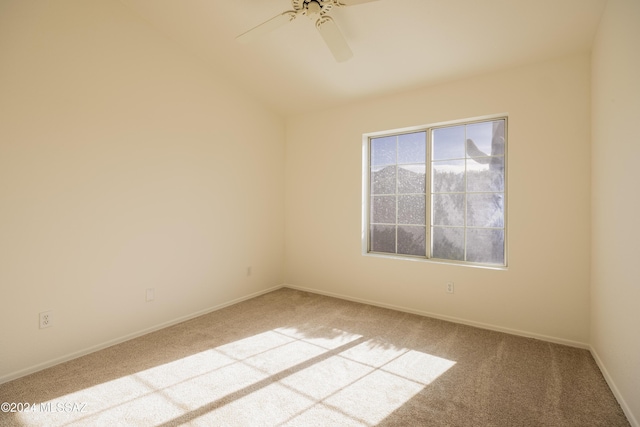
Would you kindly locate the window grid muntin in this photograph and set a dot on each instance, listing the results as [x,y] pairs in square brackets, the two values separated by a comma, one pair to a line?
[397,165]
[466,192]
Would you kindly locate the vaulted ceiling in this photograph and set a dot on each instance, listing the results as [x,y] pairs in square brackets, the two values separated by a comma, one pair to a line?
[398,45]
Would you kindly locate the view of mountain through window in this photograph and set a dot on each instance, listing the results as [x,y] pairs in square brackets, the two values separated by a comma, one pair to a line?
[439,193]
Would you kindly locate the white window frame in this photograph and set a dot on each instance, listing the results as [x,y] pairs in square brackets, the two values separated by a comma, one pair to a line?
[366,186]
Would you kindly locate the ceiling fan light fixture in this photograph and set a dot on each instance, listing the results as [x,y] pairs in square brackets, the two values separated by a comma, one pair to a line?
[313,8]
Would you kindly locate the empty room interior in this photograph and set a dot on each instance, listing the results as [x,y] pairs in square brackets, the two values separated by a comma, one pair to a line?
[183,210]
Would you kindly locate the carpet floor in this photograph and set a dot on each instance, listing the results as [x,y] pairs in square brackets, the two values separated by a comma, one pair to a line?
[291,358]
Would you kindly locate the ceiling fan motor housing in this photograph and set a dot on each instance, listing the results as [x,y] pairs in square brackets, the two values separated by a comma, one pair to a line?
[313,7]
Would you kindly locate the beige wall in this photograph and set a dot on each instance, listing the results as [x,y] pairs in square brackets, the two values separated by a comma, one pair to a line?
[124,164]
[615,288]
[545,291]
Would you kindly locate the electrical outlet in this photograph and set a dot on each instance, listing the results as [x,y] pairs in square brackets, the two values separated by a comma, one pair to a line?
[46,319]
[151,294]
[449,287]
[249,271]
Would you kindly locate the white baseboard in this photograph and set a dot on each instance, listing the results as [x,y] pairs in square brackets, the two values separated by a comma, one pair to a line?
[623,404]
[92,349]
[447,318]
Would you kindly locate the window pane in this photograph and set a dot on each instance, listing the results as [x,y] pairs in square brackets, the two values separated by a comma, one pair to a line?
[383,151]
[448,243]
[485,210]
[383,209]
[411,179]
[485,246]
[383,238]
[448,209]
[411,209]
[412,147]
[448,143]
[411,240]
[383,180]
[485,174]
[485,139]
[448,176]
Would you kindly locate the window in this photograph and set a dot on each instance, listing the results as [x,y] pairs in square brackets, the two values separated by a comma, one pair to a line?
[437,192]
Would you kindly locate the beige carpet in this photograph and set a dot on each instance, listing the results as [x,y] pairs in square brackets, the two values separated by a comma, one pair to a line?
[291,358]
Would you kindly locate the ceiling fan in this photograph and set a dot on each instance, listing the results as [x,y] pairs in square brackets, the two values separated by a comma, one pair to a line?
[316,10]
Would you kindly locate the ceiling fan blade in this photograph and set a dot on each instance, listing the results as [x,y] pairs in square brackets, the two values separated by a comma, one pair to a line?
[334,39]
[353,2]
[267,27]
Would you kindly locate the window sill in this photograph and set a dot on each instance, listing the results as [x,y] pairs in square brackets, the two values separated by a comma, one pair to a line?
[435,261]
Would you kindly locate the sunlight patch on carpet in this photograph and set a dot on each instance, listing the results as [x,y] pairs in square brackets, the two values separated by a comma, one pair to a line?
[279,377]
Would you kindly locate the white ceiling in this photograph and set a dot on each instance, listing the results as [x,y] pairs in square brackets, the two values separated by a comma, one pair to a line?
[398,45]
